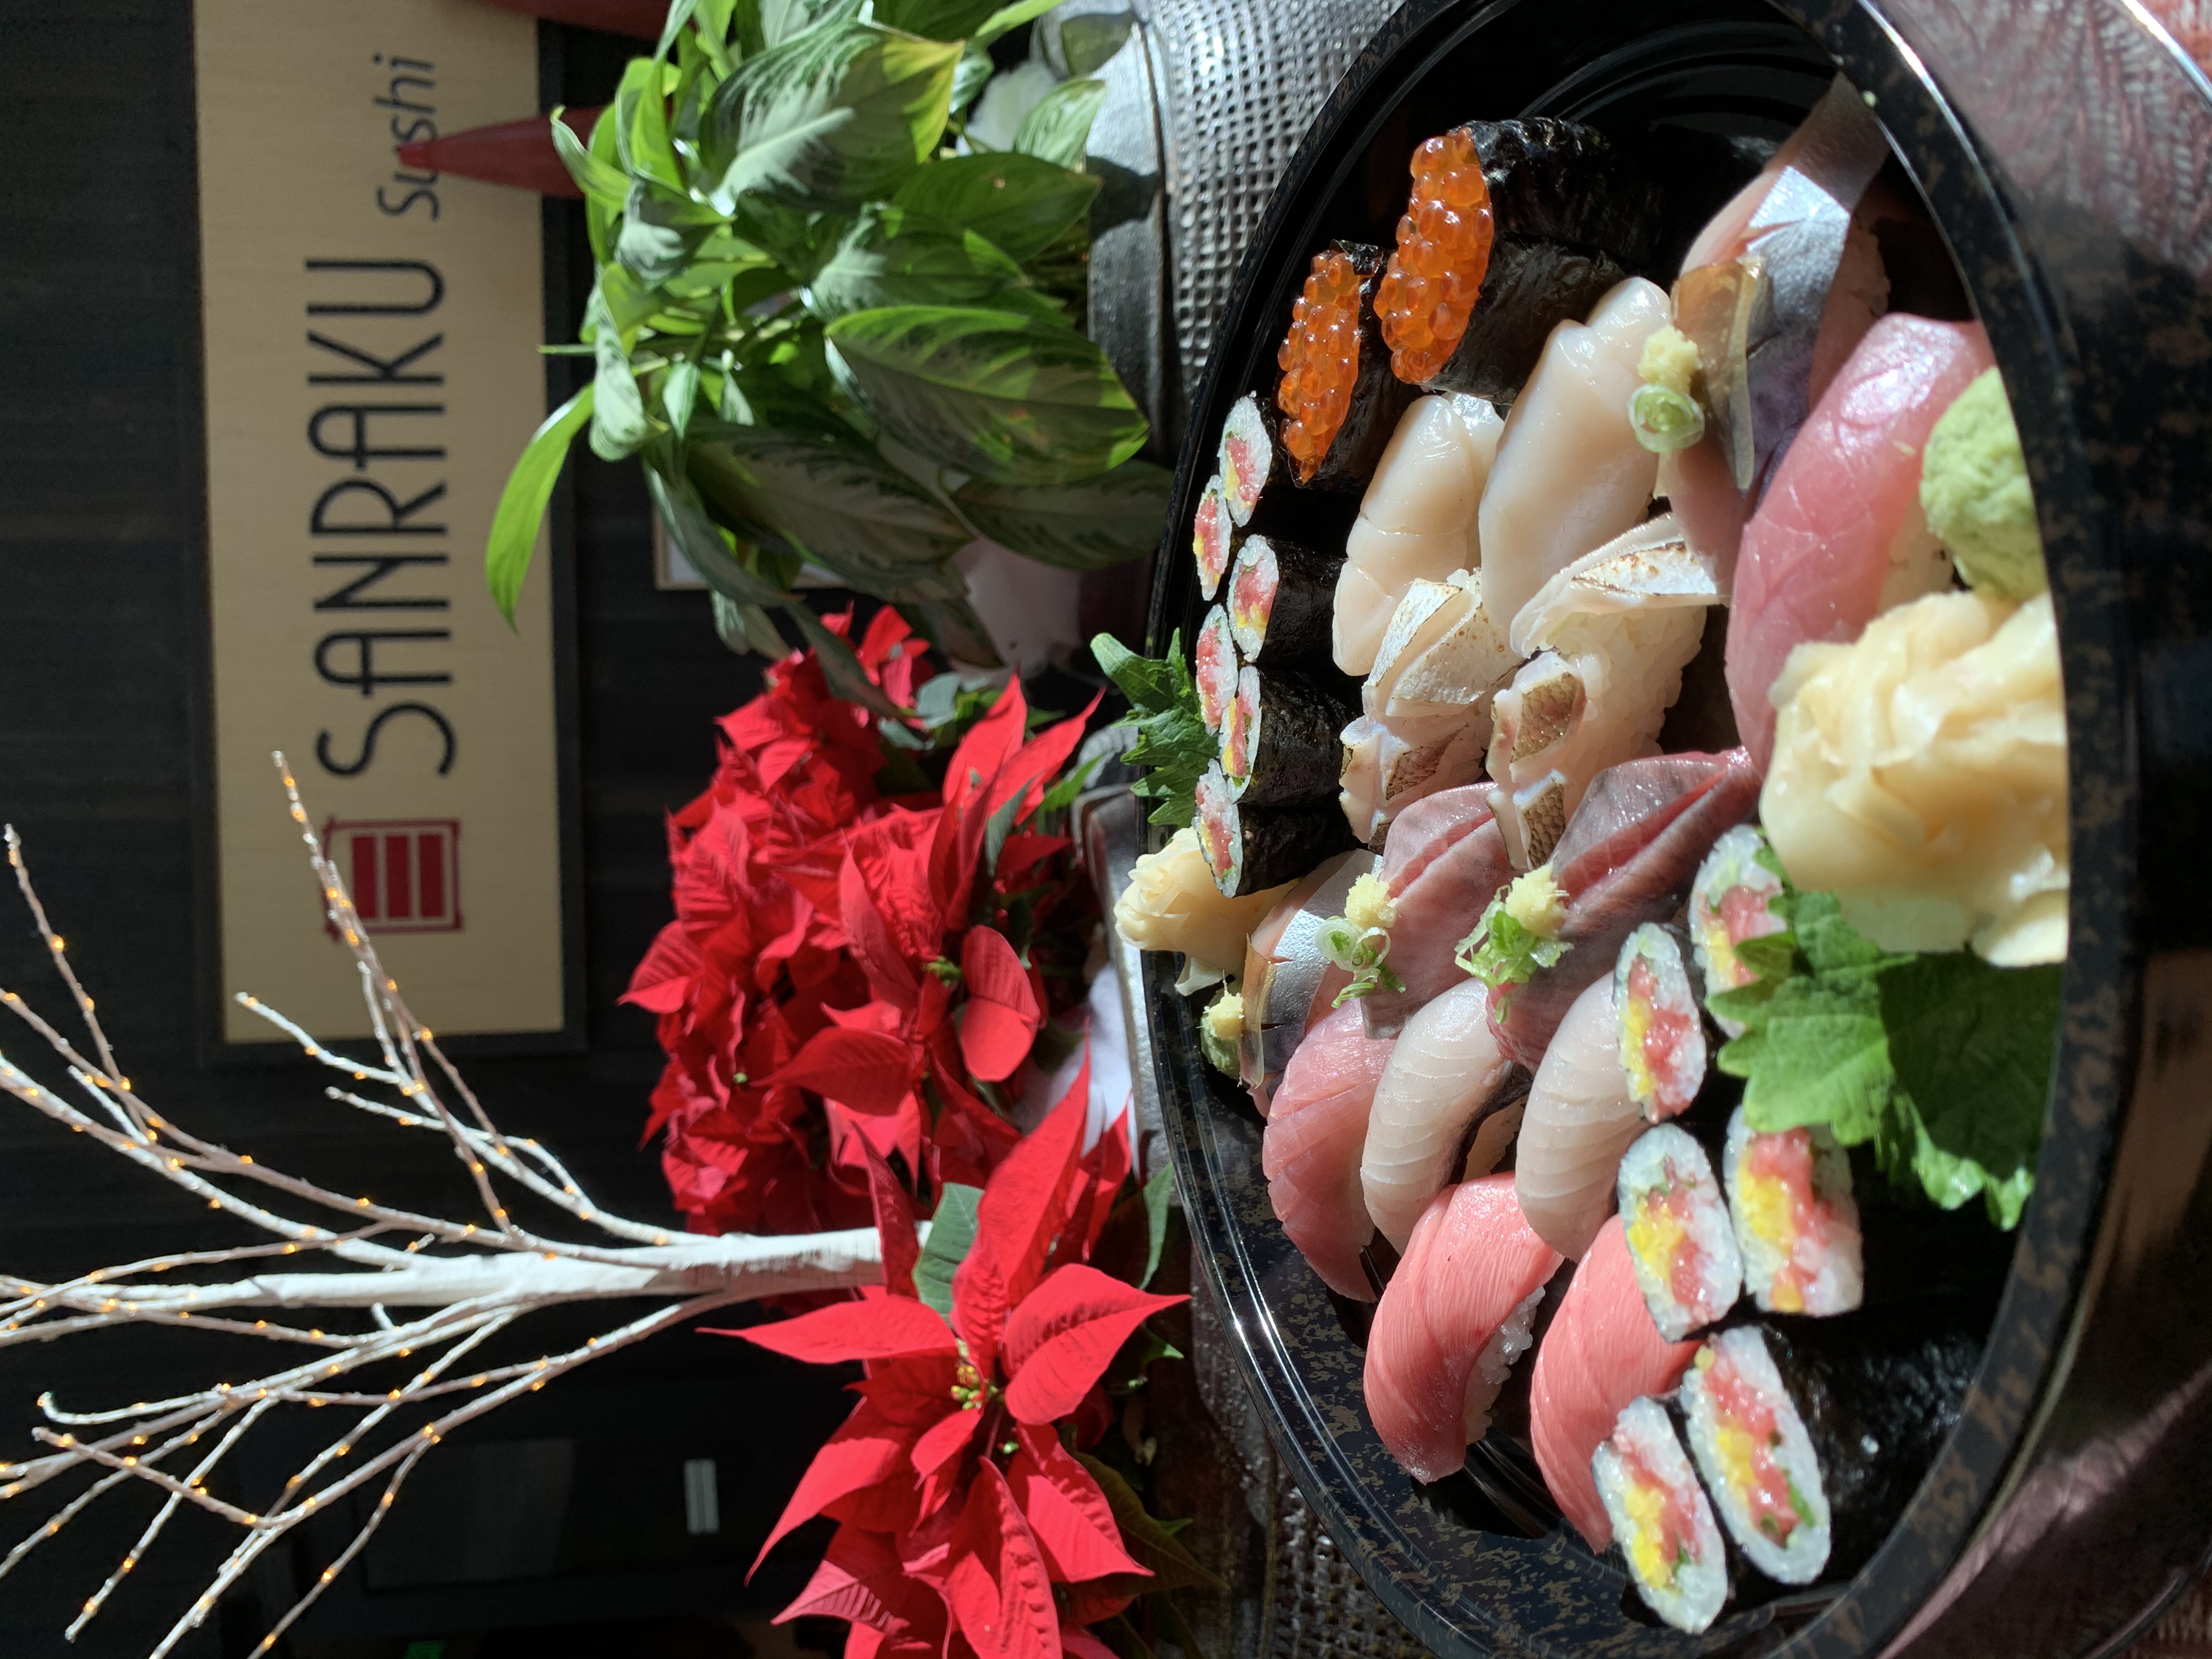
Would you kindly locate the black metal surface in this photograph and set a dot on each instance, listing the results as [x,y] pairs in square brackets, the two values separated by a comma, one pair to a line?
[2066,152]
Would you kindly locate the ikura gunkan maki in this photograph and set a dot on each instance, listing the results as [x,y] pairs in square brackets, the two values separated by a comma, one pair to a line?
[1661,1518]
[1681,1240]
[1338,399]
[1796,1220]
[1281,597]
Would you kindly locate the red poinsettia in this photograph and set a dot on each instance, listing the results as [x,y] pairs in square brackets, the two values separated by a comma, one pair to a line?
[969,1528]
[845,966]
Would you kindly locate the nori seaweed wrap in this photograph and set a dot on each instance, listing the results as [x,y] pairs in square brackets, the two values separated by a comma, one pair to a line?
[1278,741]
[1338,399]
[1250,850]
[1531,287]
[1282,600]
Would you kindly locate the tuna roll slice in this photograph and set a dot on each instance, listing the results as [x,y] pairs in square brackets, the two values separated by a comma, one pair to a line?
[1250,458]
[1731,902]
[1215,665]
[1279,739]
[1661,1518]
[1680,1239]
[1662,1037]
[1796,1220]
[1281,598]
[1250,850]
[1337,397]
[1212,535]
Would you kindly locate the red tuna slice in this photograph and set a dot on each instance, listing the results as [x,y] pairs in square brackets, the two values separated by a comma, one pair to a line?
[1434,1355]
[1430,827]
[1311,1153]
[1817,552]
[1601,1351]
[1438,909]
[1629,855]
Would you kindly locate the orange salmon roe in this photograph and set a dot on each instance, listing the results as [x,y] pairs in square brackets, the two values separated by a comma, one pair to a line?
[1429,286]
[1320,359]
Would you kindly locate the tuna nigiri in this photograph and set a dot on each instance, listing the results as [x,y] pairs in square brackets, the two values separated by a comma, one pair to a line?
[1310,1154]
[1445,860]
[1838,537]
[1445,1075]
[1601,1351]
[1417,519]
[1453,1319]
[1571,475]
[1581,1118]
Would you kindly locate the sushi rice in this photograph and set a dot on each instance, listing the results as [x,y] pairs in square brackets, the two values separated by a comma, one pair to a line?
[1796,1220]
[1662,1039]
[1248,459]
[1756,1457]
[1661,1518]
[1730,902]
[1213,533]
[1680,1239]
[1216,665]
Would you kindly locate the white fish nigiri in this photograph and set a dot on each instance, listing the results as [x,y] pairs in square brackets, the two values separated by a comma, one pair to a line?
[1581,1119]
[1445,1074]
[1310,1154]
[1569,475]
[1417,519]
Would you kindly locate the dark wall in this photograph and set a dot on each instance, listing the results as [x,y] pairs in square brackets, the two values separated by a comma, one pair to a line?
[101,625]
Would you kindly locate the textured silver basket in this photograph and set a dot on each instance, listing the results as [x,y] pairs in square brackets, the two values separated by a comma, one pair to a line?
[1207,100]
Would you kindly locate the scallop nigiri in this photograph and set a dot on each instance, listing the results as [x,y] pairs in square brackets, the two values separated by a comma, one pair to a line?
[1601,1352]
[1311,1153]
[1453,1319]
[1582,1117]
[1417,519]
[1444,1076]
[1839,537]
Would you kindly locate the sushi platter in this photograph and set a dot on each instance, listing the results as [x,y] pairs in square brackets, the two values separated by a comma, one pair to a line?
[1680,1054]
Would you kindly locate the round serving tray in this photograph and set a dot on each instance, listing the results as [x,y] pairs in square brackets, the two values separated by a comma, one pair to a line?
[2065,149]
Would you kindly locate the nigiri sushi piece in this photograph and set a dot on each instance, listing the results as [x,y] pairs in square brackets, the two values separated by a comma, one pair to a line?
[1289,982]
[1418,518]
[1607,641]
[1569,474]
[1680,1237]
[1601,1352]
[1337,395]
[1675,1553]
[1385,771]
[1452,1320]
[1839,537]
[1796,1220]
[1581,1118]
[1732,902]
[1445,1077]
[1628,857]
[1310,1152]
[1437,906]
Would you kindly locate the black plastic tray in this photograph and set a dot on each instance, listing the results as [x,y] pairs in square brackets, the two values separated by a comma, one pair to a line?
[2065,147]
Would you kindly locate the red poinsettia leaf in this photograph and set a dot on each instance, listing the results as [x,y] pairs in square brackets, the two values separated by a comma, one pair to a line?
[876,1328]
[944,1440]
[890,976]
[1099,1184]
[664,979]
[886,629]
[1073,1524]
[1023,851]
[867,1448]
[995,1583]
[892,854]
[1075,1642]
[988,744]
[1101,1598]
[862,1580]
[1042,757]
[915,1392]
[868,1070]
[887,1506]
[901,1240]
[1000,1018]
[956,852]
[1062,1337]
[1024,1206]
[980,1303]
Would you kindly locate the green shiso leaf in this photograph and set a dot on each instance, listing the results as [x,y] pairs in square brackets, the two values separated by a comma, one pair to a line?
[1172,740]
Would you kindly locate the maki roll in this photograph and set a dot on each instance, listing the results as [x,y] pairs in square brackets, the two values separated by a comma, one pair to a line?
[1662,1039]
[1250,850]
[1250,459]
[1812,1438]
[1282,598]
[1680,1239]
[1215,664]
[1661,1518]
[1279,739]
[1732,901]
[1337,397]
[1530,288]
[1796,1221]
[1213,537]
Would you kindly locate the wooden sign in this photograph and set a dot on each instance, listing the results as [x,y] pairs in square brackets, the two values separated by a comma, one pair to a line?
[372,373]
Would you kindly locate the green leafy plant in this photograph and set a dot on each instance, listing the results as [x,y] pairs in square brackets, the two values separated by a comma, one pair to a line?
[832,330]
[1172,741]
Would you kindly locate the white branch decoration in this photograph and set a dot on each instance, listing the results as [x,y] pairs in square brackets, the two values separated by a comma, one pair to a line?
[469,1280]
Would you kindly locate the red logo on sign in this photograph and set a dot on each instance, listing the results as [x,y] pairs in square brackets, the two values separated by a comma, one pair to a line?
[404,873]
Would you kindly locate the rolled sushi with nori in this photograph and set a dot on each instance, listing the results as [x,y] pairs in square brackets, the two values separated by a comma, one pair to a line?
[1756,1456]
[1661,1518]
[1213,537]
[1282,598]
[1530,288]
[1251,457]
[1732,902]
[1681,1241]
[1338,399]
[1796,1220]
[1662,1034]
[1215,666]
[1279,745]
[1252,848]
